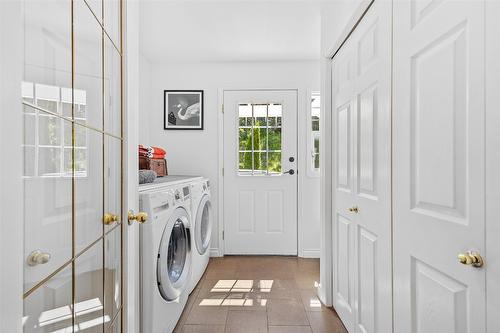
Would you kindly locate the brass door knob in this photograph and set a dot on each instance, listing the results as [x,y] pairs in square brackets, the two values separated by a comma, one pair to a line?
[38,257]
[354,209]
[108,218]
[471,258]
[140,217]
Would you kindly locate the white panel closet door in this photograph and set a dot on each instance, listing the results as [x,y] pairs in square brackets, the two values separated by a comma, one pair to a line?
[362,190]
[439,165]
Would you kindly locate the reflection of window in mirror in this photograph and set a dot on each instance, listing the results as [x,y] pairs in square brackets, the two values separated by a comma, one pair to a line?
[48,136]
[314,134]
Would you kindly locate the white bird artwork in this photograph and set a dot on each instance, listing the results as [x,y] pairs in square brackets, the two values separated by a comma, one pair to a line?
[190,112]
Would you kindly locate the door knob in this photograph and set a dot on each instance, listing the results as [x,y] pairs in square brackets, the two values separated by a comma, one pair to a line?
[471,258]
[290,172]
[108,218]
[354,209]
[38,257]
[140,217]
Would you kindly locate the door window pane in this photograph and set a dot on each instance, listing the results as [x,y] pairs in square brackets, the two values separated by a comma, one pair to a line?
[274,162]
[259,139]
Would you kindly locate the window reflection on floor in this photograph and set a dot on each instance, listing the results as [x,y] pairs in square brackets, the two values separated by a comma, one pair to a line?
[236,293]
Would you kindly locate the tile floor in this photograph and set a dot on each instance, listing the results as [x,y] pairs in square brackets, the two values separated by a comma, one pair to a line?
[258,294]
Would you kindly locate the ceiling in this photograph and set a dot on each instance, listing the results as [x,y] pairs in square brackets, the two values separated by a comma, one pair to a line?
[230,30]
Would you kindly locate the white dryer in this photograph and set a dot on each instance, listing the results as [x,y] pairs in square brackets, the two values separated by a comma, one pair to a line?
[202,220]
[165,259]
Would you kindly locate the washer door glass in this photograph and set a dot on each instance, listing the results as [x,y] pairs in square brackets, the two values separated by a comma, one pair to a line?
[177,251]
[174,256]
[203,225]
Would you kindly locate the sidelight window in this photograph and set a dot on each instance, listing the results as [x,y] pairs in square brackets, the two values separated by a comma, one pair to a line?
[315,134]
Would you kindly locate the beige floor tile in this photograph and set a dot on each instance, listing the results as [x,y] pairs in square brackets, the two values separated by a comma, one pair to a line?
[283,294]
[286,312]
[264,273]
[311,301]
[224,262]
[203,329]
[246,302]
[305,282]
[290,329]
[306,264]
[207,316]
[220,273]
[258,291]
[246,322]
[325,322]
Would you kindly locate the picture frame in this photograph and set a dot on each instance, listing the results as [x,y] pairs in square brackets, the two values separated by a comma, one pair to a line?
[183,110]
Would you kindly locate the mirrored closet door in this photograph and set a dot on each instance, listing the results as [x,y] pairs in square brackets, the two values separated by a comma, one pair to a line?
[73,237]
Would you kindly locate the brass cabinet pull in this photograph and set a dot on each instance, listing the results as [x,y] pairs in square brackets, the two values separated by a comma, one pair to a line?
[140,217]
[38,257]
[471,258]
[108,218]
[354,209]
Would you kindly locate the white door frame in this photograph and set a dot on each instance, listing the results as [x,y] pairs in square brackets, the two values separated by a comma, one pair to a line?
[492,214]
[131,277]
[300,167]
[11,185]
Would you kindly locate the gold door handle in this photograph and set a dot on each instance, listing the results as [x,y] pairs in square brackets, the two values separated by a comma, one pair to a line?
[140,217]
[38,257]
[108,218]
[354,209]
[471,258]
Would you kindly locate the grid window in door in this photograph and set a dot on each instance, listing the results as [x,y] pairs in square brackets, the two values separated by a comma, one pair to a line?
[259,147]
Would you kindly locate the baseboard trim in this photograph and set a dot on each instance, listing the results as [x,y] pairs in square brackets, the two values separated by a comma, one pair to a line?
[310,253]
[215,253]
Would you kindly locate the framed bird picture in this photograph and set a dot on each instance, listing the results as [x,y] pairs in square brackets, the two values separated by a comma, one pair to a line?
[183,109]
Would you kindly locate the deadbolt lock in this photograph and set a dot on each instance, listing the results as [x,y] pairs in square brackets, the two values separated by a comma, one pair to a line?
[471,258]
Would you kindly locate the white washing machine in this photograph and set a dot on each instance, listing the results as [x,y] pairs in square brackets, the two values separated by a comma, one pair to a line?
[202,220]
[165,253]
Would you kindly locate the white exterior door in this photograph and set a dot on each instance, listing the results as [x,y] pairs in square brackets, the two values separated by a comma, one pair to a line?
[439,165]
[260,178]
[361,93]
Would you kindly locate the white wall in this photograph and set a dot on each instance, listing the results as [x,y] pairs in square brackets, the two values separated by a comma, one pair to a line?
[145,100]
[196,152]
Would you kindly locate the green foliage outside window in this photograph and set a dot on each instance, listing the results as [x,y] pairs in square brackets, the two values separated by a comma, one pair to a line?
[260,145]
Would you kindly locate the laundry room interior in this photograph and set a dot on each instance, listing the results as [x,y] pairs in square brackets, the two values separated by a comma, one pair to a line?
[251,166]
